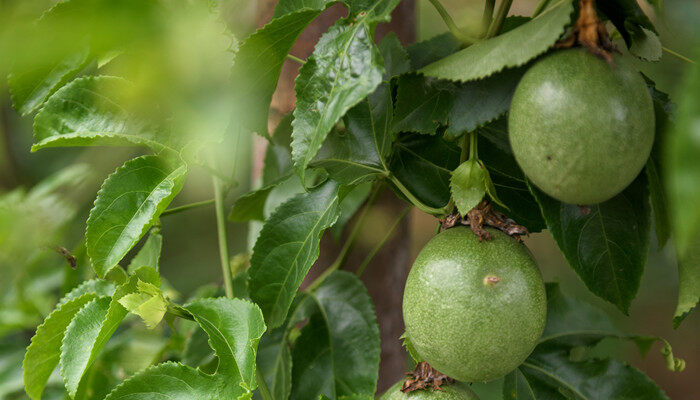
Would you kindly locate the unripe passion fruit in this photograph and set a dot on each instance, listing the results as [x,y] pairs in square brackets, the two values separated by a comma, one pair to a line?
[456,391]
[474,310]
[580,128]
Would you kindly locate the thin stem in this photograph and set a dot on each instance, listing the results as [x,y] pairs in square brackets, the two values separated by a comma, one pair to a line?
[465,148]
[501,15]
[473,143]
[673,53]
[296,59]
[540,7]
[186,207]
[381,244]
[262,385]
[489,6]
[349,242]
[221,230]
[454,29]
[419,204]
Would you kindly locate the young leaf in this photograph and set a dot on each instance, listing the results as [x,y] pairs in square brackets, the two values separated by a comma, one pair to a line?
[275,363]
[30,88]
[234,328]
[607,243]
[423,164]
[287,247]
[149,254]
[348,54]
[148,303]
[468,185]
[43,353]
[258,64]
[91,111]
[127,205]
[176,381]
[510,49]
[92,327]
[337,353]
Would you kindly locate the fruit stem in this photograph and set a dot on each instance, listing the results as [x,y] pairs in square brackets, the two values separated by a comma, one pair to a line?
[411,198]
[454,29]
[489,6]
[350,241]
[221,232]
[540,7]
[497,22]
[381,243]
[473,143]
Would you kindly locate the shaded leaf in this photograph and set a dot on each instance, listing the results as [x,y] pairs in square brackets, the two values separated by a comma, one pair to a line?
[688,284]
[92,111]
[287,247]
[251,206]
[234,328]
[628,18]
[507,177]
[645,44]
[175,381]
[127,205]
[606,244]
[510,49]
[433,49]
[29,89]
[278,155]
[275,363]
[149,254]
[395,56]
[348,54]
[337,353]
[423,164]
[422,104]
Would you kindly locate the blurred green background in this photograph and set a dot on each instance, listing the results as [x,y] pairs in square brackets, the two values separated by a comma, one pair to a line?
[32,221]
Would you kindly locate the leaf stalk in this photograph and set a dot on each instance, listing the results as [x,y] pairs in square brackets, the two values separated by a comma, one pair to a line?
[501,15]
[221,231]
[186,207]
[454,29]
[381,244]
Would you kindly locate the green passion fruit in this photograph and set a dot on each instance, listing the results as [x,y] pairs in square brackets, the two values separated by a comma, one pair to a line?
[580,128]
[456,391]
[474,310]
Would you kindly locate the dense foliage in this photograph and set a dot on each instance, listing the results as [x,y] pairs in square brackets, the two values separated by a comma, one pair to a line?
[428,120]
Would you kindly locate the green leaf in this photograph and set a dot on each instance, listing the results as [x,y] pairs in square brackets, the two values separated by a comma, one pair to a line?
[683,166]
[348,54]
[688,284]
[510,49]
[258,64]
[550,365]
[127,205]
[91,328]
[359,152]
[43,353]
[149,254]
[92,111]
[422,104]
[287,247]
[30,88]
[468,185]
[251,206]
[234,328]
[433,49]
[424,164]
[177,382]
[607,243]
[275,363]
[508,179]
[337,353]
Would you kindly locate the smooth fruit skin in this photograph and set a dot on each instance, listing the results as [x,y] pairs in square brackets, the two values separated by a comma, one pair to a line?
[456,391]
[580,129]
[461,320]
